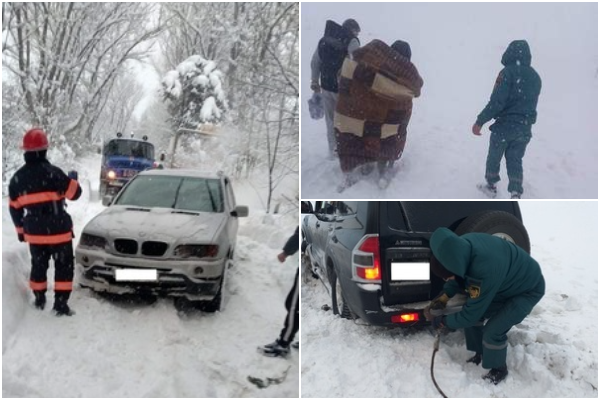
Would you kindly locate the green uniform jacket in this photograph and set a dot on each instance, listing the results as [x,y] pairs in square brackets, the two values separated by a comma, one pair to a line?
[514,100]
[493,270]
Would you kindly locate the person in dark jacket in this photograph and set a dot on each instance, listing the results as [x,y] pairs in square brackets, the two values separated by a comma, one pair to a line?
[503,284]
[513,105]
[338,43]
[37,194]
[281,346]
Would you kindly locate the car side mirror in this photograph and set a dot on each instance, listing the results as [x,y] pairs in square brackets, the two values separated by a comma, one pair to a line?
[107,199]
[240,211]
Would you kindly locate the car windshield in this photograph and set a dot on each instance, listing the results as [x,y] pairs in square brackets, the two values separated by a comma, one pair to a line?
[129,148]
[177,192]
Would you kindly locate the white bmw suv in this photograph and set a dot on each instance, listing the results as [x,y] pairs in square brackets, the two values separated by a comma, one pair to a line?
[167,232]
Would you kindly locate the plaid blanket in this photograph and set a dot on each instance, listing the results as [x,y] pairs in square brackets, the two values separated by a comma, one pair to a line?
[374,105]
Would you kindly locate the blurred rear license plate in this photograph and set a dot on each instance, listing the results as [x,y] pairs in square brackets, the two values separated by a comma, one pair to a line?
[144,275]
[414,271]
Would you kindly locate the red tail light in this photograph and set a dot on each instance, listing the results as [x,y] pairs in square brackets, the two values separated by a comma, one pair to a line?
[404,318]
[366,261]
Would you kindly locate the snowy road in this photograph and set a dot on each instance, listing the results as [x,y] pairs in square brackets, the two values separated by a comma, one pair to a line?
[111,349]
[552,353]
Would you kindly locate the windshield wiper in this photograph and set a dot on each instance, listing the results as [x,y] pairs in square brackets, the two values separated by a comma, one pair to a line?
[137,209]
[185,212]
[212,200]
[177,193]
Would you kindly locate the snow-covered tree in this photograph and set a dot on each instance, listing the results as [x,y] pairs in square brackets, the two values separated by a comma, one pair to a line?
[257,45]
[66,58]
[194,93]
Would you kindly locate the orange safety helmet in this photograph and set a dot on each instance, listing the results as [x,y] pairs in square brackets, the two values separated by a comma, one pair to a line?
[35,140]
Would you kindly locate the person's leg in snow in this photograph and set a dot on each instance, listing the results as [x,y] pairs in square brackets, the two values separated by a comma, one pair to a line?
[474,339]
[514,164]
[494,338]
[281,346]
[63,278]
[495,153]
[329,102]
[40,257]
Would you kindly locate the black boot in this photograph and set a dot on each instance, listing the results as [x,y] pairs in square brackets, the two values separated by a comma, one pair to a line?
[60,304]
[40,299]
[476,359]
[496,375]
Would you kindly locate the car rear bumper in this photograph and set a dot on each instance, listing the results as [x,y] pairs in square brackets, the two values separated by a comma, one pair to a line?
[173,277]
[367,304]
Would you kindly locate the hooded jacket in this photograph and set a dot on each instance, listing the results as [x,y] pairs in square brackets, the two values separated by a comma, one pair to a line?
[493,270]
[515,96]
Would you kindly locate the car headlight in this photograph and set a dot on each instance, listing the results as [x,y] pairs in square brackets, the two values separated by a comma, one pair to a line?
[92,241]
[111,175]
[196,250]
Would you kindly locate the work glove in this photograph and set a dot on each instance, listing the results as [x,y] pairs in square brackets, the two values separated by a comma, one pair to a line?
[438,322]
[314,86]
[73,175]
[21,237]
[440,302]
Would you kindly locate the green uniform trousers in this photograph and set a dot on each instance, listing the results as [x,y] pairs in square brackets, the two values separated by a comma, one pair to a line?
[512,146]
[490,338]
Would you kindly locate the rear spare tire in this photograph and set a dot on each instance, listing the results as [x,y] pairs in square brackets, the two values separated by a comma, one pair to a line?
[497,223]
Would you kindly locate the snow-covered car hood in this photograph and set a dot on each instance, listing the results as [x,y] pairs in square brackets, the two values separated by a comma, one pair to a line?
[161,224]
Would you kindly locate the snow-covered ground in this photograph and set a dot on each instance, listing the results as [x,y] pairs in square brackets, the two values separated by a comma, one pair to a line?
[457,49]
[552,353]
[111,349]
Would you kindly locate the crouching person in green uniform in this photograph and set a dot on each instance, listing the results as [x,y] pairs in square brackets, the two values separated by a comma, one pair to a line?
[513,105]
[503,284]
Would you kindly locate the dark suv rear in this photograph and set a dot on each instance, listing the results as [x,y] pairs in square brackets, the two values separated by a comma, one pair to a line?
[374,256]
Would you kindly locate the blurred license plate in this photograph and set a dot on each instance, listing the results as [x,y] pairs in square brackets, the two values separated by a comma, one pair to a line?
[414,271]
[129,173]
[144,275]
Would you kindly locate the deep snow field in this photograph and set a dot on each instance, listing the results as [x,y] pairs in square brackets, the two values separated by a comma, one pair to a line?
[552,353]
[457,49]
[113,349]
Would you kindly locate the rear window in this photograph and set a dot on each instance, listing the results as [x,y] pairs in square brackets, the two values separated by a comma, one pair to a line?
[427,216]
[347,207]
[179,193]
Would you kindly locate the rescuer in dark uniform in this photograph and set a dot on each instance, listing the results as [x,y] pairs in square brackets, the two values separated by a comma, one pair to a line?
[503,284]
[37,194]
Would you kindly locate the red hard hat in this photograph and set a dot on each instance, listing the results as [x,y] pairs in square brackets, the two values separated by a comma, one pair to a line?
[34,140]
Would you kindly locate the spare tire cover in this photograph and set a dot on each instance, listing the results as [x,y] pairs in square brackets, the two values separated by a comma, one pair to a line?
[497,223]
